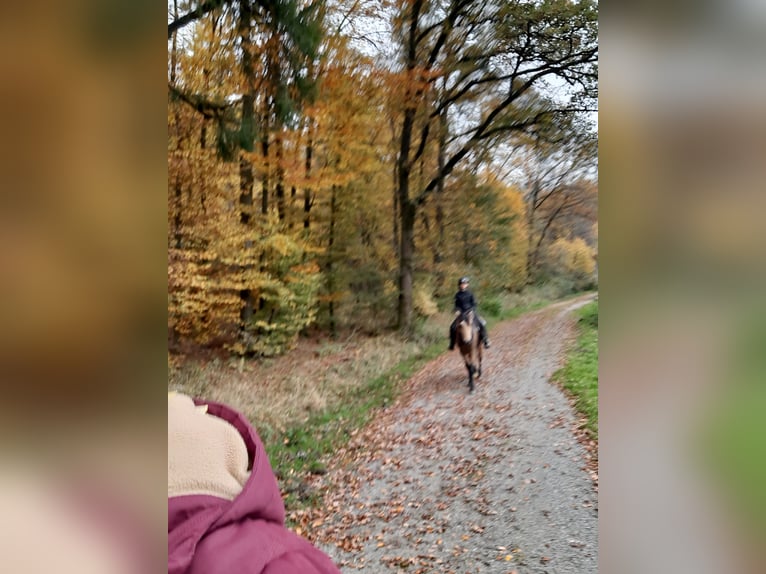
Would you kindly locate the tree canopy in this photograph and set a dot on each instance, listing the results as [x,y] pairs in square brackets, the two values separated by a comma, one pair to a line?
[314,180]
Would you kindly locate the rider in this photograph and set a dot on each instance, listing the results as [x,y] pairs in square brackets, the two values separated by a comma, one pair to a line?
[464,301]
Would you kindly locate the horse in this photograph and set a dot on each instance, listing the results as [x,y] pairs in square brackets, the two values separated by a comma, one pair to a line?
[469,344]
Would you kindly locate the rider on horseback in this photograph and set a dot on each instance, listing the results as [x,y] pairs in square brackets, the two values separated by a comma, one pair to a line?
[465,301]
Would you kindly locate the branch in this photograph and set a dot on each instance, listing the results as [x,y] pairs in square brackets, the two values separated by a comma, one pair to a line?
[480,133]
[454,96]
[423,140]
[201,10]
[196,14]
[205,107]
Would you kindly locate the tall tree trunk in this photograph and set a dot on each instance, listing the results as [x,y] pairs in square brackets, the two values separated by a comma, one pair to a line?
[174,335]
[280,176]
[246,177]
[408,209]
[408,212]
[407,255]
[536,251]
[307,189]
[394,198]
[177,187]
[203,136]
[439,199]
[396,213]
[531,210]
[174,48]
[330,259]
[265,156]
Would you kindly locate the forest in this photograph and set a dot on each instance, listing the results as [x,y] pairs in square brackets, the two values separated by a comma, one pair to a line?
[338,164]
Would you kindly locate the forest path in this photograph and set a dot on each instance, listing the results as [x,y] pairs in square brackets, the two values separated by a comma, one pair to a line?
[494,482]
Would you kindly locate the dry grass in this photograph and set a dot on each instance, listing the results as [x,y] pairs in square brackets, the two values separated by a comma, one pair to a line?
[279,393]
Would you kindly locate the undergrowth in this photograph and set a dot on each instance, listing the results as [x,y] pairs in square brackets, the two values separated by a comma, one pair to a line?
[580,374]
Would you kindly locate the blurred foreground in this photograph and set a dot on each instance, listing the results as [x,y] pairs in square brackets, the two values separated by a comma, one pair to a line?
[682,404]
[82,230]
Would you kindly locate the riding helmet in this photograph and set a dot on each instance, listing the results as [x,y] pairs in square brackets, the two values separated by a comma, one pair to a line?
[463,280]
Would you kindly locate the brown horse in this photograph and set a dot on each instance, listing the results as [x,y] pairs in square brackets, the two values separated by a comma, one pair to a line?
[470,345]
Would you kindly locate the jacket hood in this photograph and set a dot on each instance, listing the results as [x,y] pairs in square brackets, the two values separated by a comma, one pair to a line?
[191,517]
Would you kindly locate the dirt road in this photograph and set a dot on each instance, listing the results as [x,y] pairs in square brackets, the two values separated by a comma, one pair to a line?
[492,482]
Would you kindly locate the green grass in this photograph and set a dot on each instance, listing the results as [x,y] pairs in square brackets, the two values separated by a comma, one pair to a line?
[734,446]
[732,428]
[580,374]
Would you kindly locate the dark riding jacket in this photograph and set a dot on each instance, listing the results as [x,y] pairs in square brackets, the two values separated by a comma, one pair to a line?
[464,300]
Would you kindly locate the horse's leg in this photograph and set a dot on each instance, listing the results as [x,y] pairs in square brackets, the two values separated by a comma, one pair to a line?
[478,352]
[470,378]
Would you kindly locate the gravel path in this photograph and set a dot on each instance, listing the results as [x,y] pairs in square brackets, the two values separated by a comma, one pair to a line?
[492,482]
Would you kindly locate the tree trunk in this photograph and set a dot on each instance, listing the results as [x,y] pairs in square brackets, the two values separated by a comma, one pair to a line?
[531,227]
[439,196]
[307,189]
[330,259]
[177,187]
[536,251]
[407,208]
[280,177]
[407,255]
[174,48]
[265,156]
[395,227]
[408,212]
[246,177]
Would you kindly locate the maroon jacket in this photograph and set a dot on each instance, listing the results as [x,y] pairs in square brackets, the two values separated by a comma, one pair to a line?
[210,535]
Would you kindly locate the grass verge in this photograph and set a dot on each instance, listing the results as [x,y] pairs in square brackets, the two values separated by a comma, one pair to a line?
[733,444]
[302,448]
[580,374]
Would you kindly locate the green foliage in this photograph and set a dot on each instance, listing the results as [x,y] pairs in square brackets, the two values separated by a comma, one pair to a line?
[580,374]
[205,288]
[734,447]
[589,315]
[732,437]
[285,296]
[491,307]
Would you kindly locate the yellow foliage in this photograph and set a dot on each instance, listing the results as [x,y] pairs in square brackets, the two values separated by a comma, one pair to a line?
[423,302]
[573,257]
[516,262]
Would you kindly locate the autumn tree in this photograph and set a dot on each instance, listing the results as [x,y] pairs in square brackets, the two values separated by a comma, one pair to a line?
[243,260]
[319,172]
[350,187]
[481,62]
[558,163]
[572,259]
[485,234]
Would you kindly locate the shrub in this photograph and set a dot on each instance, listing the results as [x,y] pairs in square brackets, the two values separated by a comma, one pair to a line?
[589,315]
[491,307]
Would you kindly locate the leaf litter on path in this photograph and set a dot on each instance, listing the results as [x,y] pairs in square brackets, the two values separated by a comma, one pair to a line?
[443,481]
